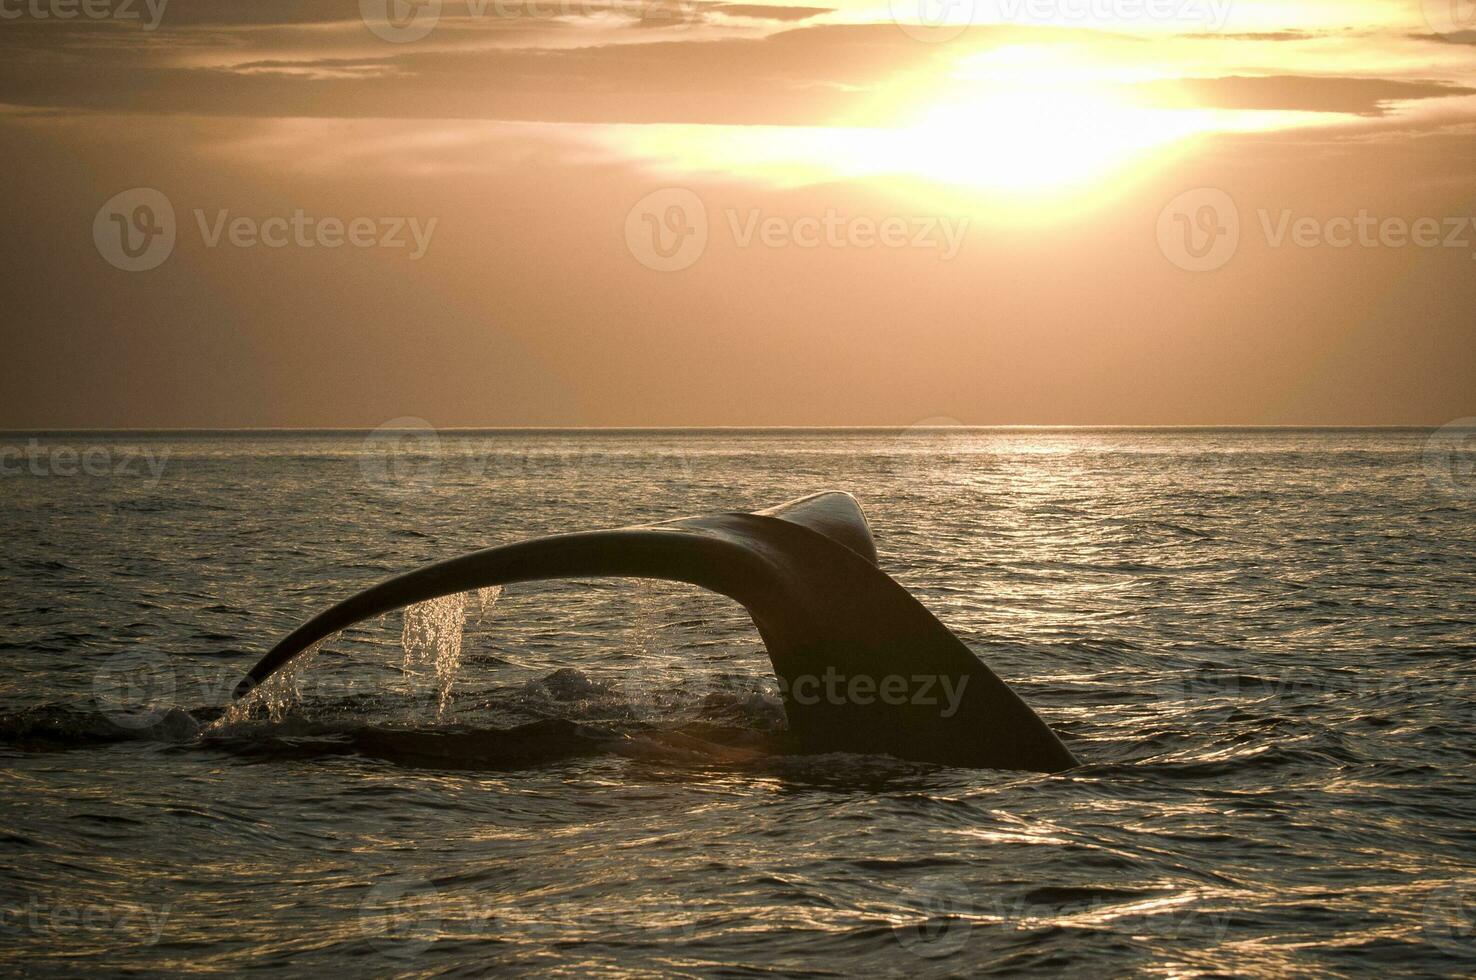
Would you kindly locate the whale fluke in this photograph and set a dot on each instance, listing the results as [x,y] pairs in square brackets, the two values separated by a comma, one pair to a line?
[862,665]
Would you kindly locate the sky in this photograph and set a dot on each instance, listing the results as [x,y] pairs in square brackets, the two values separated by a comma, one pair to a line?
[693,212]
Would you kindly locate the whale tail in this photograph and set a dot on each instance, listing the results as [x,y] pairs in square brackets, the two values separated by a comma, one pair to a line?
[862,665]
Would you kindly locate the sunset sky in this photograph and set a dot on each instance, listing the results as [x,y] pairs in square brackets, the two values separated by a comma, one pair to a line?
[708,213]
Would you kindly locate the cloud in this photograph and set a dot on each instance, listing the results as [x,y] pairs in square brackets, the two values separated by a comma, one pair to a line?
[769,12]
[798,76]
[277,59]
[1253,36]
[1453,37]
[1304,93]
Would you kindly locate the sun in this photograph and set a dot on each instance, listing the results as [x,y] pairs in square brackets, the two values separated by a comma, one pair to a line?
[1036,138]
[1035,119]
[1023,125]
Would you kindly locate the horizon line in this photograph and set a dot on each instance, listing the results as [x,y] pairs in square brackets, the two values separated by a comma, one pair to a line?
[963,427]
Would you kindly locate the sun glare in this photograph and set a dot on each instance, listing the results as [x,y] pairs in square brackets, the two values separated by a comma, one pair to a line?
[1023,121]
[1028,117]
[1036,139]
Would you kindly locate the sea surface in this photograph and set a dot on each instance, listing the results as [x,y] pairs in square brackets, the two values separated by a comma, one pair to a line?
[1258,642]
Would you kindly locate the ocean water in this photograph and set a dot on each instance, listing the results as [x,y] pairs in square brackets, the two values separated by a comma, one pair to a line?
[1259,644]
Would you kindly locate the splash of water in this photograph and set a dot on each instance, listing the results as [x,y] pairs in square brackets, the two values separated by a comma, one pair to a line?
[639,682]
[486,599]
[432,633]
[276,697]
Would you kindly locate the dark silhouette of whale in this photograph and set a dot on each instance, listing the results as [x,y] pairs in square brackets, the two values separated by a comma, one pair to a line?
[862,665]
